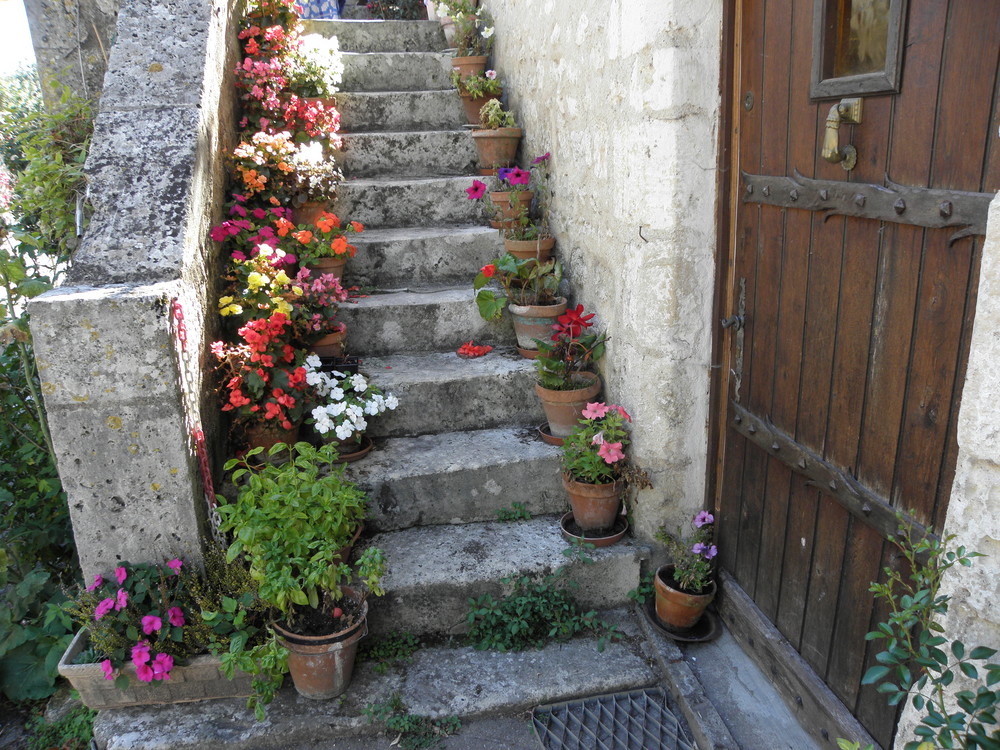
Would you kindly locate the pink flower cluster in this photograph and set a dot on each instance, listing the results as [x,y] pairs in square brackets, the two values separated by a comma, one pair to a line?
[610,452]
[148,667]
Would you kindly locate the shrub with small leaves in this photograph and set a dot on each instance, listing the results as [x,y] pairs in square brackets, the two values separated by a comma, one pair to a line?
[415,731]
[516,512]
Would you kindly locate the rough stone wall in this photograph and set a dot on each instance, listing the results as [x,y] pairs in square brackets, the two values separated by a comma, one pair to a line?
[974,508]
[625,94]
[72,41]
[109,356]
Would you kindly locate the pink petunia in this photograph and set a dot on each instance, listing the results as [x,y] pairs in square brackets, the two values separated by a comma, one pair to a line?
[109,671]
[140,653]
[625,414]
[611,452]
[477,191]
[176,617]
[98,582]
[151,624]
[105,606]
[121,574]
[175,565]
[121,600]
[519,176]
[595,410]
[540,159]
[162,665]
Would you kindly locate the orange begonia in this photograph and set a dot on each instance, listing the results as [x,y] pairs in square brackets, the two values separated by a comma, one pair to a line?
[304,236]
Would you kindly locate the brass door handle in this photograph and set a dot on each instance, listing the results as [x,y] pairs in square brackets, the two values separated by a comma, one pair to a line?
[844,111]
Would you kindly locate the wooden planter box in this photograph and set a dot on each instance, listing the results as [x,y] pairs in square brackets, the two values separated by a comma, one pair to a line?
[200,679]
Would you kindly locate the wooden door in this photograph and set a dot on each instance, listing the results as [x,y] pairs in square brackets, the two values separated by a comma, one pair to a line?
[844,382]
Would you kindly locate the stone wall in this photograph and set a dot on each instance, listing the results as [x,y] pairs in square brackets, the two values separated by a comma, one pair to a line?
[625,94]
[122,348]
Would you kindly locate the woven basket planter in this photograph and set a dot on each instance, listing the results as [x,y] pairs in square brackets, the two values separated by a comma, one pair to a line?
[200,679]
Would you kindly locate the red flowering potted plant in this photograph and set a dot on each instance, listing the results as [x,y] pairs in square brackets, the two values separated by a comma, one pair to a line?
[529,289]
[322,245]
[686,587]
[262,162]
[565,383]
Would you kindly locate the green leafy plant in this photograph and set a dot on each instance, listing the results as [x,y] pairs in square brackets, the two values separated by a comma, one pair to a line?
[415,731]
[644,591]
[479,85]
[316,69]
[595,451]
[920,658]
[390,649]
[692,557]
[535,612]
[571,351]
[473,28]
[523,281]
[72,732]
[492,115]
[516,512]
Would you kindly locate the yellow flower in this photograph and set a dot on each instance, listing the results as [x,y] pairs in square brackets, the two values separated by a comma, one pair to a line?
[231,310]
[256,280]
[223,301]
[281,278]
[297,290]
[282,306]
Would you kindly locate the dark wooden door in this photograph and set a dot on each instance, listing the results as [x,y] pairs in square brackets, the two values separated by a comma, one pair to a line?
[845,380]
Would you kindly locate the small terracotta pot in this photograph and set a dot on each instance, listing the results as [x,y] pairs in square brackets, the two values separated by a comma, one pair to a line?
[497,148]
[334,266]
[595,506]
[534,322]
[473,65]
[330,345]
[539,249]
[322,666]
[267,435]
[309,212]
[473,105]
[508,211]
[677,609]
[564,409]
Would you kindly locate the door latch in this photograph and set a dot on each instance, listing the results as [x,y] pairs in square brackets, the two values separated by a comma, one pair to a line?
[845,111]
[734,320]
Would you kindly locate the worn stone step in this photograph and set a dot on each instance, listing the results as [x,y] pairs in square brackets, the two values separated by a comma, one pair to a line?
[393,258]
[408,154]
[441,391]
[428,202]
[381,36]
[437,681]
[368,111]
[414,321]
[434,570]
[396,71]
[459,477]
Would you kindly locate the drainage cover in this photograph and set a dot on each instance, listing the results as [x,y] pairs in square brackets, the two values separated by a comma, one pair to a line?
[637,720]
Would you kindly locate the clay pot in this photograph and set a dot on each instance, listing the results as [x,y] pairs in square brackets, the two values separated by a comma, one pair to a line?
[595,506]
[352,449]
[330,345]
[322,666]
[508,211]
[334,266]
[497,148]
[473,105]
[473,65]
[540,249]
[267,435]
[675,608]
[564,409]
[534,322]
[309,212]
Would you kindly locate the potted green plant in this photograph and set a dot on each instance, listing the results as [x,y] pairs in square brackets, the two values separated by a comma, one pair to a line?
[686,587]
[296,523]
[565,383]
[507,205]
[529,237]
[529,289]
[476,90]
[473,36]
[496,138]
[315,70]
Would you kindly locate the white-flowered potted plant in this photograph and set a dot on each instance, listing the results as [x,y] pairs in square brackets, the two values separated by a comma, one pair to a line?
[343,403]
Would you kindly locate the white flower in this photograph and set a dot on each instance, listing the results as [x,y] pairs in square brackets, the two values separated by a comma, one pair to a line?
[313,362]
[353,411]
[314,378]
[359,383]
[337,394]
[391,401]
[360,424]
[344,431]
[335,410]
[487,32]
[491,74]
[372,408]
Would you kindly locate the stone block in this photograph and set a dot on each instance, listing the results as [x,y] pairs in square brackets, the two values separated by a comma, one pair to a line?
[396,71]
[395,111]
[382,36]
[410,154]
[435,201]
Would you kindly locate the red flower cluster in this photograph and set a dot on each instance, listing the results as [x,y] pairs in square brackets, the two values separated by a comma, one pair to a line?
[572,323]
[468,350]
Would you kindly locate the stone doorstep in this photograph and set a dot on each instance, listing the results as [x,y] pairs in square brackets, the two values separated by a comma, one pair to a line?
[396,71]
[398,258]
[408,154]
[439,681]
[426,202]
[492,391]
[381,36]
[373,111]
[458,477]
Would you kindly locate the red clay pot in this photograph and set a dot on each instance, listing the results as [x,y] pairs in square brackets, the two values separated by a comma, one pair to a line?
[534,322]
[497,148]
[267,435]
[539,249]
[473,105]
[309,212]
[473,65]
[675,608]
[564,409]
[334,266]
[330,345]
[595,506]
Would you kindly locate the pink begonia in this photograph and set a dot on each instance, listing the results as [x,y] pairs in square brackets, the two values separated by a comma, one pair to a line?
[162,665]
[121,600]
[595,410]
[109,671]
[98,582]
[120,574]
[175,565]
[140,653]
[144,673]
[625,414]
[105,606]
[176,617]
[151,624]
[611,452]
[598,439]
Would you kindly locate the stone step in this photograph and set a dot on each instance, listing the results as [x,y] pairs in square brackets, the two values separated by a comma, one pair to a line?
[437,681]
[428,202]
[434,570]
[396,71]
[441,391]
[408,154]
[414,321]
[381,36]
[419,256]
[459,477]
[374,111]
[356,11]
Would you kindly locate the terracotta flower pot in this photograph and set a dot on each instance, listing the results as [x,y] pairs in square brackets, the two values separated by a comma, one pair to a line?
[330,345]
[595,506]
[473,65]
[534,322]
[334,266]
[540,249]
[564,409]
[675,608]
[322,666]
[497,148]
[508,211]
[309,212]
[473,105]
[267,435]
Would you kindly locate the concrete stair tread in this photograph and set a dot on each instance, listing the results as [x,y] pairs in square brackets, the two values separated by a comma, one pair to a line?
[408,201]
[398,369]
[408,153]
[392,234]
[390,133]
[423,181]
[439,681]
[416,296]
[376,35]
[400,111]
[396,71]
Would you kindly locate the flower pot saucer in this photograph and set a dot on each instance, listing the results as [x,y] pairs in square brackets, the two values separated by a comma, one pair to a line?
[573,533]
[548,437]
[528,353]
[364,450]
[706,629]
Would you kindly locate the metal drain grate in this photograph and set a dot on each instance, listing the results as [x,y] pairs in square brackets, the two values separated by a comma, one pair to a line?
[638,720]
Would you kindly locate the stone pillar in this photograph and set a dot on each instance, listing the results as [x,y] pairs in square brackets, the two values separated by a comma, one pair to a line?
[122,366]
